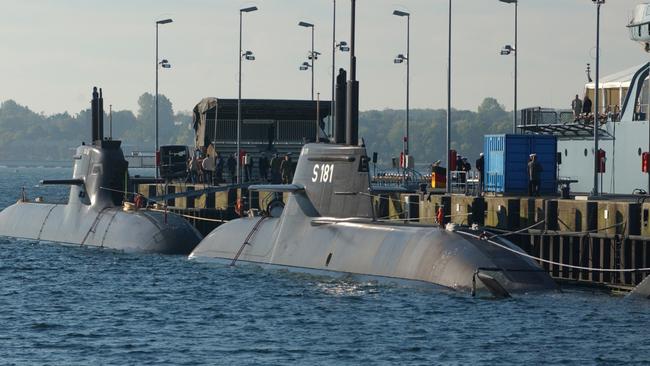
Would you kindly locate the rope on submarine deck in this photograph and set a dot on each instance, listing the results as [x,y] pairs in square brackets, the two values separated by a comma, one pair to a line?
[188,216]
[164,211]
[484,237]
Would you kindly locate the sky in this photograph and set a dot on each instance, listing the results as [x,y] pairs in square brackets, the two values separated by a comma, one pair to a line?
[53,52]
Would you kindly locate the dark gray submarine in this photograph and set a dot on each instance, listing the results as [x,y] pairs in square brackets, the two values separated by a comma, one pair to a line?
[329,227]
[95,214]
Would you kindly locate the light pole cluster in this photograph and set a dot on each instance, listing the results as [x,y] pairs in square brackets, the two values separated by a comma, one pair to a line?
[166,65]
[342,46]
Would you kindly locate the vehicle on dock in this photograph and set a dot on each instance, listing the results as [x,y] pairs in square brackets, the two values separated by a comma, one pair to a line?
[172,161]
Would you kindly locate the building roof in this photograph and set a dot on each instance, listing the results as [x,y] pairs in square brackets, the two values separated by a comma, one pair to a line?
[619,79]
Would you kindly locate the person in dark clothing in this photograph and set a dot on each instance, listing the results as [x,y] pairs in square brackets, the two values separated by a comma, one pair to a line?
[248,167]
[276,177]
[480,163]
[286,170]
[263,166]
[534,175]
[586,105]
[467,167]
[460,167]
[219,169]
[232,167]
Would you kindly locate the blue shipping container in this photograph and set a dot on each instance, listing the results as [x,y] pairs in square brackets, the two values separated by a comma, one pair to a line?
[506,162]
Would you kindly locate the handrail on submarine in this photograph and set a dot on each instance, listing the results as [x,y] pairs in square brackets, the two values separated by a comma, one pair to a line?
[277,187]
[65,182]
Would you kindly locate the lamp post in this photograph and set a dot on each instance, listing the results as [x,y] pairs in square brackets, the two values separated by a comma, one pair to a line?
[598,3]
[398,60]
[506,51]
[248,55]
[343,47]
[165,64]
[313,55]
[332,107]
[448,138]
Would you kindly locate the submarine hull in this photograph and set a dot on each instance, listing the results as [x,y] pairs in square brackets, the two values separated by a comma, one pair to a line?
[390,253]
[110,227]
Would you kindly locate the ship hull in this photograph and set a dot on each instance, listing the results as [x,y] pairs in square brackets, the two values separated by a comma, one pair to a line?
[131,231]
[411,254]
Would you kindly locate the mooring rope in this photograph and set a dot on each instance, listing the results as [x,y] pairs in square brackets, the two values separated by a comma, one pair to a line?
[188,216]
[485,238]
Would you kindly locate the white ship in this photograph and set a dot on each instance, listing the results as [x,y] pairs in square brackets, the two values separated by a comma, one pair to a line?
[639,25]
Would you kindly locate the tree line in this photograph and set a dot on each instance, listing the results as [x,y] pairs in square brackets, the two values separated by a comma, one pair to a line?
[383,131]
[27,135]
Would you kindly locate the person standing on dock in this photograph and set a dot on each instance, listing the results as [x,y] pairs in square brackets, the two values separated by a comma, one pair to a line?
[276,162]
[263,166]
[286,170]
[208,166]
[218,168]
[232,167]
[248,167]
[534,175]
[192,169]
[480,162]
[586,105]
[576,106]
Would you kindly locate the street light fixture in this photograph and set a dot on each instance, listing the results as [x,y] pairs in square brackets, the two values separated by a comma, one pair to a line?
[312,56]
[343,46]
[398,60]
[164,64]
[506,51]
[248,55]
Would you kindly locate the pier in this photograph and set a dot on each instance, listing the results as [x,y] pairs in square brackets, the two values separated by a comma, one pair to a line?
[568,235]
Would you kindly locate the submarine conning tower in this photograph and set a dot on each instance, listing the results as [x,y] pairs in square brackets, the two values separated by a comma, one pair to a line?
[336,180]
[100,170]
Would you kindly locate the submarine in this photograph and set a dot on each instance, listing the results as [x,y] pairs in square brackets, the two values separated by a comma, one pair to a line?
[95,214]
[329,227]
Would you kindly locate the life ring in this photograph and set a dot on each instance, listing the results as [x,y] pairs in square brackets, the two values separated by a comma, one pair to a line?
[239,206]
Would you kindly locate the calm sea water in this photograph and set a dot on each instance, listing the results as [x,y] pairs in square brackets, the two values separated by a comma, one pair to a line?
[73,305]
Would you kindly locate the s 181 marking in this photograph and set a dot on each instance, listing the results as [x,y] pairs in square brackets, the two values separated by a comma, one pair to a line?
[323,173]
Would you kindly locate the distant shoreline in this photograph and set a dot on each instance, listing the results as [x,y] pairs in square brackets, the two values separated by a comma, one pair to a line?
[35,164]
